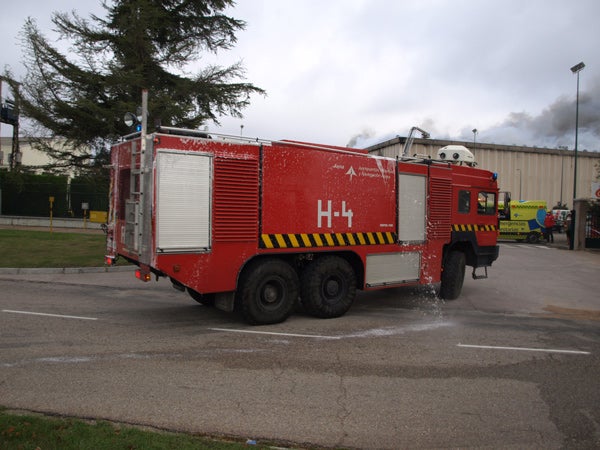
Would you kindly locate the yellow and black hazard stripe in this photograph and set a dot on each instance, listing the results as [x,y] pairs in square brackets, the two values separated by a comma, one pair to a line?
[310,240]
[470,227]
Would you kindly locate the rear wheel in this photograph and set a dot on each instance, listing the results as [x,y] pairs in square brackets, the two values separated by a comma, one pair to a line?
[328,287]
[533,238]
[453,275]
[268,290]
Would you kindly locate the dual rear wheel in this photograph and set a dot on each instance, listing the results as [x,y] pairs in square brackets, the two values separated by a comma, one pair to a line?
[269,289]
[328,287]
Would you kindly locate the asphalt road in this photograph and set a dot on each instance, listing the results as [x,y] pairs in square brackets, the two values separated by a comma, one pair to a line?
[513,363]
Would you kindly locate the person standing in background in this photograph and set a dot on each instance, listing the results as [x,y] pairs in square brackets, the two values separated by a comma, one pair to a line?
[549,224]
[568,228]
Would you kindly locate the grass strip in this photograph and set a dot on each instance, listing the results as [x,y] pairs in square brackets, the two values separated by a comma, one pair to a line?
[50,433]
[34,249]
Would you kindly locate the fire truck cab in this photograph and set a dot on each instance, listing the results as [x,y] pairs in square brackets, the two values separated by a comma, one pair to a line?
[259,225]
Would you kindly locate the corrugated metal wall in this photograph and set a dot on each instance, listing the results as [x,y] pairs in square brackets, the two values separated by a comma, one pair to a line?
[527,172]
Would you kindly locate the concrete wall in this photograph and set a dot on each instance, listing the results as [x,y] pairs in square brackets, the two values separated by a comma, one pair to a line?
[44,222]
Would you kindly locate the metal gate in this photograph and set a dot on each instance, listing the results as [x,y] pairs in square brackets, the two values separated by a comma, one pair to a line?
[592,227]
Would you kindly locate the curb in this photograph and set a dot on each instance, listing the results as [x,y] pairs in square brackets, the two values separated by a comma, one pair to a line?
[62,271]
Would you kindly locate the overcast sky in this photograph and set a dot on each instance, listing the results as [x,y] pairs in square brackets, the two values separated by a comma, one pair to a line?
[337,69]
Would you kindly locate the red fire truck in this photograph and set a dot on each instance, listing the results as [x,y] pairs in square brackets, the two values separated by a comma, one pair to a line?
[259,225]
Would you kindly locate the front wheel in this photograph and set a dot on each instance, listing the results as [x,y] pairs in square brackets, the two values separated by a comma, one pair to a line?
[453,275]
[328,287]
[268,291]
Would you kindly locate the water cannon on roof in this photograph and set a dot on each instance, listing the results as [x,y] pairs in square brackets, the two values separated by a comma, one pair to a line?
[457,154]
[410,139]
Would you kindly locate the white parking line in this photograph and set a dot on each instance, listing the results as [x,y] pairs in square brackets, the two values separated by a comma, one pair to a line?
[272,333]
[526,246]
[525,349]
[48,315]
[374,332]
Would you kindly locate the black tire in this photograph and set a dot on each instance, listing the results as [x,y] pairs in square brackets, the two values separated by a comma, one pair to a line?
[328,287]
[533,238]
[203,299]
[453,275]
[268,291]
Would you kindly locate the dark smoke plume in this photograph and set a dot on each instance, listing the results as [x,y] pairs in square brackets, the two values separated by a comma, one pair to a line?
[554,127]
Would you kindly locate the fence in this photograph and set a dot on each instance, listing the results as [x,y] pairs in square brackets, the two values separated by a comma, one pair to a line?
[23,194]
[592,227]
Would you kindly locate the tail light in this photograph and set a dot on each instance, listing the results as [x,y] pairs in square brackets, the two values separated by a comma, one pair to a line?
[143,275]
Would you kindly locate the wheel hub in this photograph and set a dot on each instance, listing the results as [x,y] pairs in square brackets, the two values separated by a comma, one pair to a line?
[332,287]
[270,293]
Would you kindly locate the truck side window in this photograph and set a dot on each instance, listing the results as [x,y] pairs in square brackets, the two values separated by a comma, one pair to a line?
[464,202]
[486,203]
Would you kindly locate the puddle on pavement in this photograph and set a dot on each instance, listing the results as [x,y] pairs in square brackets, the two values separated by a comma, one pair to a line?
[558,312]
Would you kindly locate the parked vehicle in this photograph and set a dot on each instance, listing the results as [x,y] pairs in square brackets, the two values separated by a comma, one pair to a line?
[560,216]
[521,220]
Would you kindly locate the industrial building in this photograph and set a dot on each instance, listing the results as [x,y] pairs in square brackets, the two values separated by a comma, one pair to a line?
[28,156]
[529,173]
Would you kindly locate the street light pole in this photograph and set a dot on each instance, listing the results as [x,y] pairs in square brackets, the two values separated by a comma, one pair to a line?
[562,175]
[474,136]
[576,69]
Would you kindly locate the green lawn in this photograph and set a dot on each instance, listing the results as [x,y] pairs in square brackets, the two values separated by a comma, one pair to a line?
[25,248]
[50,433]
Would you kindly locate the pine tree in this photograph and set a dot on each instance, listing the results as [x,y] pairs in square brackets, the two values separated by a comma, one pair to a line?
[79,98]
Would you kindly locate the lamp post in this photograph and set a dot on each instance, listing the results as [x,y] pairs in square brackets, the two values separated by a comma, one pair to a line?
[576,69]
[474,130]
[562,176]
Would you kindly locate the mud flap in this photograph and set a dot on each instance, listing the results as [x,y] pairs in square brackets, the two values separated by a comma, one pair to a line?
[225,301]
[480,277]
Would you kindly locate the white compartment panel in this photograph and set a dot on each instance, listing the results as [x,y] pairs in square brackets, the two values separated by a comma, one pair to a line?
[392,268]
[412,206]
[183,202]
